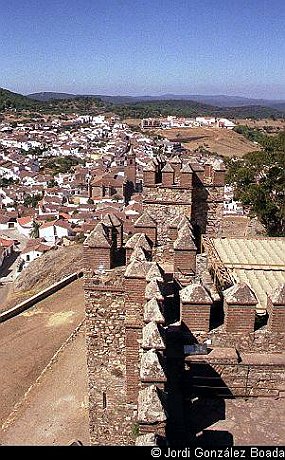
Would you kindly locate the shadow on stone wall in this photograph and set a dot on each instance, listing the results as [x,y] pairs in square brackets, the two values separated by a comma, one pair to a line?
[196,400]
[216,315]
[204,405]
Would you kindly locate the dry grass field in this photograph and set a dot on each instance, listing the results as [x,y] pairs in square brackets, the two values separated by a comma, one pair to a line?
[222,141]
[262,123]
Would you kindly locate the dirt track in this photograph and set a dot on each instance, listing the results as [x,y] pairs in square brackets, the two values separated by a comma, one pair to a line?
[28,341]
[55,412]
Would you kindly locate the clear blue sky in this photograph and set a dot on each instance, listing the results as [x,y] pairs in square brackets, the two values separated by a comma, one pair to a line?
[234,47]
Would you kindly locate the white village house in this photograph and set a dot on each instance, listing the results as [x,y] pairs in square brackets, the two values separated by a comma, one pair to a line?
[55,230]
[25,225]
[34,249]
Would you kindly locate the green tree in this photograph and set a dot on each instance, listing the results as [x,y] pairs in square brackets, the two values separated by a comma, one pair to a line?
[34,233]
[52,183]
[259,181]
[32,200]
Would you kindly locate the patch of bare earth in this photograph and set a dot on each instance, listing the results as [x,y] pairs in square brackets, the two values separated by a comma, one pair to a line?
[44,271]
[55,411]
[132,122]
[222,141]
[30,340]
[266,123]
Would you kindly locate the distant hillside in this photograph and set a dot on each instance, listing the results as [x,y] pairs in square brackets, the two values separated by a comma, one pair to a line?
[225,101]
[48,96]
[185,108]
[8,99]
[279,106]
[128,107]
[253,111]
[149,106]
[80,104]
[215,100]
[163,108]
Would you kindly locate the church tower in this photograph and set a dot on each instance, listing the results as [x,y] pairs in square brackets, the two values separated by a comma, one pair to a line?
[131,166]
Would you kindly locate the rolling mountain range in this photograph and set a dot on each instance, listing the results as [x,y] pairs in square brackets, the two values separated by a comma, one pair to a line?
[145,106]
[218,101]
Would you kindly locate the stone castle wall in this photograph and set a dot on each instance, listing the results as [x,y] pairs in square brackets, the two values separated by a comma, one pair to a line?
[260,341]
[111,419]
[207,209]
[259,376]
[164,204]
[125,339]
[203,204]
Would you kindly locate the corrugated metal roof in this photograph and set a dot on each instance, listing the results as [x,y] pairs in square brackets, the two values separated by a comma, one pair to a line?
[261,252]
[261,282]
[260,262]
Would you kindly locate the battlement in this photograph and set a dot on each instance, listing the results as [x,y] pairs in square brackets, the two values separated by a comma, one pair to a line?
[148,313]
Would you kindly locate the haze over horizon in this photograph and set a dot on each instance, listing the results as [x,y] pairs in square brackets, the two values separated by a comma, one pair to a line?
[129,47]
[137,95]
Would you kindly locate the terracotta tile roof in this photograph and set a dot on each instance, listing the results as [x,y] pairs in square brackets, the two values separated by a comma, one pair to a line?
[24,221]
[56,223]
[259,262]
[36,244]
[6,243]
[64,215]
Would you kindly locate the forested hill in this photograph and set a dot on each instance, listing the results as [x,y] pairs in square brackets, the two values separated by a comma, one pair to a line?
[185,108]
[144,109]
[8,100]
